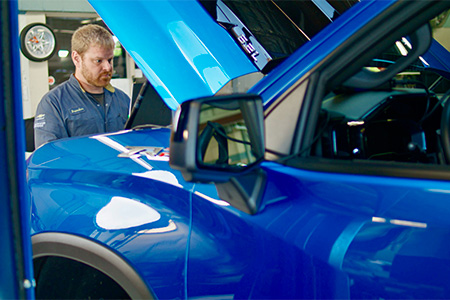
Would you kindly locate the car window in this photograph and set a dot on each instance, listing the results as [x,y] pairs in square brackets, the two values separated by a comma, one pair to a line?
[400,120]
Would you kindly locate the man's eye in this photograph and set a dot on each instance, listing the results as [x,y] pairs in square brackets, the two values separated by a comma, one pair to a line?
[98,61]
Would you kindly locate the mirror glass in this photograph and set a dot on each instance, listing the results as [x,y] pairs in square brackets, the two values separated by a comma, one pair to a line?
[224,138]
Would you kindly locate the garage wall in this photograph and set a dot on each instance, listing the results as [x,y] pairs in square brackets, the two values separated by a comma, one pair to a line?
[442,35]
[55,5]
[35,74]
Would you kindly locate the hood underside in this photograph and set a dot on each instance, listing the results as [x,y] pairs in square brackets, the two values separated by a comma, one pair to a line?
[181,50]
[190,49]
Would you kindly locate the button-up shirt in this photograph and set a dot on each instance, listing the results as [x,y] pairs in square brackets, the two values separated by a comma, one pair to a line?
[68,111]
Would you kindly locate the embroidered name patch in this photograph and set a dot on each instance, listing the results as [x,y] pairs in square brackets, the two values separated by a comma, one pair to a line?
[75,111]
[39,124]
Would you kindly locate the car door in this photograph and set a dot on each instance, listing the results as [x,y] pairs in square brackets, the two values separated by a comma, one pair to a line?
[352,149]
[355,170]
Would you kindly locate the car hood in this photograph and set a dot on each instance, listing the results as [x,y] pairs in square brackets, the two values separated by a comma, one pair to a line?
[104,160]
[188,49]
[438,59]
[181,50]
[118,151]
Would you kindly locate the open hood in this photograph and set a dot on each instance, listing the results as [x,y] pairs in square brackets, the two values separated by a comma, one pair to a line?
[181,50]
[438,59]
[190,49]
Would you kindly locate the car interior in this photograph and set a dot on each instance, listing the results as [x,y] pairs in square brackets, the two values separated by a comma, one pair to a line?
[402,118]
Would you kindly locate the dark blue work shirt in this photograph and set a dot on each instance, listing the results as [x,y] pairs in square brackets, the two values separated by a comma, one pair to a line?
[68,111]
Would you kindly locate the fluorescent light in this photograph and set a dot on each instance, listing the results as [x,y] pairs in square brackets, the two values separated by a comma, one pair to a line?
[400,222]
[401,48]
[63,53]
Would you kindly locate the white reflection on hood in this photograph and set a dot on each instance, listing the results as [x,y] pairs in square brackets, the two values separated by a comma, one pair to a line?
[160,175]
[122,213]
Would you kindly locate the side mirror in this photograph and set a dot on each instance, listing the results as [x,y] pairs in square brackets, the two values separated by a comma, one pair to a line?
[221,140]
[216,138]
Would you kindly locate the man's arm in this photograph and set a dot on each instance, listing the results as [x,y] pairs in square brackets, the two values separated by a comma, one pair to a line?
[48,122]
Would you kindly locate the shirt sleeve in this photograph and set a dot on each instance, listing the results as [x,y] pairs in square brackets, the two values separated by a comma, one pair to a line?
[48,123]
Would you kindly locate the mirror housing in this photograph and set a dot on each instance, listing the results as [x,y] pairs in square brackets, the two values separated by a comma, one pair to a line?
[216,138]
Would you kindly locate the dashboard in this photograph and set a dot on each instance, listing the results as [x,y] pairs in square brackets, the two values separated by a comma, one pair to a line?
[394,125]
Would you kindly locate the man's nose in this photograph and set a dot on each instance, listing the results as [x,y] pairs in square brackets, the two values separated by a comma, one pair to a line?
[107,65]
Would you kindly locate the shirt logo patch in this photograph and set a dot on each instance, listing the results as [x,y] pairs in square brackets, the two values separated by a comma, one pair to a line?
[39,121]
[40,117]
[76,111]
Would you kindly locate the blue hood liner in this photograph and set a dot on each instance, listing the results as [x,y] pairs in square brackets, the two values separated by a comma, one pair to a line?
[181,50]
[438,59]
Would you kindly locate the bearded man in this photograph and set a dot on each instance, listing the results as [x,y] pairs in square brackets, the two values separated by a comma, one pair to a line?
[86,103]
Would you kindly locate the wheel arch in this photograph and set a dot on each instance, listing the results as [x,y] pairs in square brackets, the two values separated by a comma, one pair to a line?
[96,256]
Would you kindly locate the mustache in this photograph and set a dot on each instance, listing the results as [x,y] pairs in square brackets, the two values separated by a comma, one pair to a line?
[109,74]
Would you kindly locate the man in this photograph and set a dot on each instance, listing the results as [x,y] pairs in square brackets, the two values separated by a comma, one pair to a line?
[86,103]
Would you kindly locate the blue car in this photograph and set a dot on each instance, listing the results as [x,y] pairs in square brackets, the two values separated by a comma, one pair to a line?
[308,158]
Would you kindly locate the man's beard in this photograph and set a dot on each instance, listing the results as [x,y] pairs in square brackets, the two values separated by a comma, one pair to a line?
[102,80]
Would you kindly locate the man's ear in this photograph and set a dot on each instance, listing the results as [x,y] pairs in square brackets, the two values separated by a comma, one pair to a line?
[76,58]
